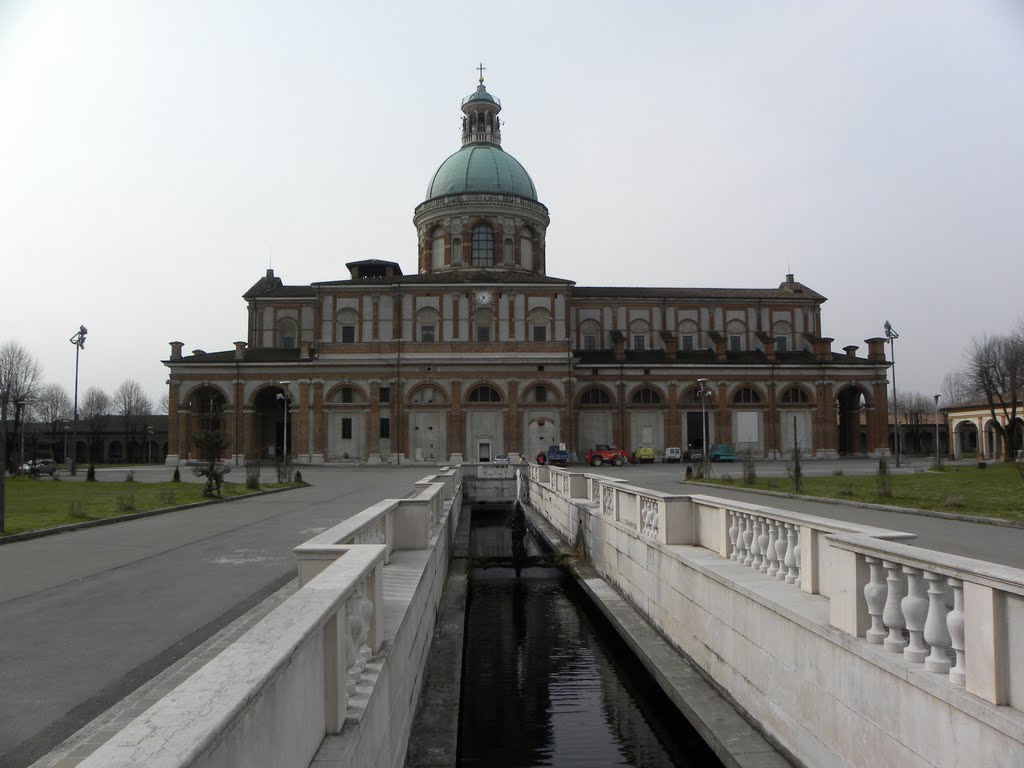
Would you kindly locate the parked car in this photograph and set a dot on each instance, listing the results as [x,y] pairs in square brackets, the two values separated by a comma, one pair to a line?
[606,454]
[501,459]
[558,456]
[722,452]
[672,456]
[38,467]
[644,455]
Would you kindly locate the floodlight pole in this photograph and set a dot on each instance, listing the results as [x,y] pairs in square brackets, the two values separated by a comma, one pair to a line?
[890,333]
[704,428]
[79,341]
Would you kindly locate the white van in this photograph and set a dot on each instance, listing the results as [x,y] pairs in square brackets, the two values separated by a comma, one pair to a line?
[672,456]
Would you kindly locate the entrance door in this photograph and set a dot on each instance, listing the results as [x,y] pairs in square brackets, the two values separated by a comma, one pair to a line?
[483,451]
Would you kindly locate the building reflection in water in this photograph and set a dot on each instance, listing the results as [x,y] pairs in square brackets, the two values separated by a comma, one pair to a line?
[542,685]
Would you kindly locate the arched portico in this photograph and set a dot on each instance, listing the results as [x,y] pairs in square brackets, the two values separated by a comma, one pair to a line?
[852,405]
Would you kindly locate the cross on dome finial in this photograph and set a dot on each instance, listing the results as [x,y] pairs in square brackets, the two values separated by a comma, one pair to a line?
[481,69]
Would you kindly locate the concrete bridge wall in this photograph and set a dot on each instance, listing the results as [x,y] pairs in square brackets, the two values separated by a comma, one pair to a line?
[331,677]
[799,620]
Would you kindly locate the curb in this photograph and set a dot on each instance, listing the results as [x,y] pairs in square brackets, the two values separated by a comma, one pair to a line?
[28,535]
[868,505]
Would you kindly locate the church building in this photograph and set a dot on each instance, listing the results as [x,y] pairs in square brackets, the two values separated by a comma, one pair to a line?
[481,352]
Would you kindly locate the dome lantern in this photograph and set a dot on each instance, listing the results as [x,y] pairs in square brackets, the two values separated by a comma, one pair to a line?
[481,124]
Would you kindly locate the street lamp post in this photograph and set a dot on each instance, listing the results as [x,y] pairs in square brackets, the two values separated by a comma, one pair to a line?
[67,429]
[21,452]
[704,427]
[79,341]
[890,333]
[938,459]
[284,397]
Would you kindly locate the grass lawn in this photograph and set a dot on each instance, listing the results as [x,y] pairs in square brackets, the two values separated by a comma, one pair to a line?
[996,491]
[35,503]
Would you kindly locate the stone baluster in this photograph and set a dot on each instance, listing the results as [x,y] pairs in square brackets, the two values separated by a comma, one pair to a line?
[892,616]
[781,552]
[762,542]
[748,539]
[915,611]
[955,623]
[875,593]
[936,633]
[756,555]
[792,555]
[734,534]
[771,566]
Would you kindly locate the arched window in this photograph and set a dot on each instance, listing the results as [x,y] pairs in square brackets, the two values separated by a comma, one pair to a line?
[483,246]
[428,395]
[638,334]
[287,331]
[736,332]
[484,394]
[647,396]
[795,395]
[347,395]
[526,248]
[781,331]
[595,396]
[693,396]
[539,322]
[426,319]
[687,336]
[346,322]
[437,248]
[590,332]
[746,396]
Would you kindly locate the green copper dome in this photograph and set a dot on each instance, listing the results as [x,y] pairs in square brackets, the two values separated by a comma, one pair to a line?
[481,168]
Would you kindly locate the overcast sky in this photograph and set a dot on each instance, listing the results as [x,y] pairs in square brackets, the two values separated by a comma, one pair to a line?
[157,157]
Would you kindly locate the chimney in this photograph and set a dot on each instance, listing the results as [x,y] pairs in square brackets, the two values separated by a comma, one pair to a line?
[876,349]
[668,338]
[823,349]
[176,347]
[851,350]
[240,350]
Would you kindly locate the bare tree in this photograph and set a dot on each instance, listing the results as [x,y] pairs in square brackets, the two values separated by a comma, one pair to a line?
[131,403]
[53,404]
[163,405]
[915,412]
[96,405]
[956,389]
[995,368]
[20,379]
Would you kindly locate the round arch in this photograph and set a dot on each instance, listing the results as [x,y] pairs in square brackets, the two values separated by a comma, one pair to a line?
[851,404]
[426,394]
[595,396]
[336,394]
[484,393]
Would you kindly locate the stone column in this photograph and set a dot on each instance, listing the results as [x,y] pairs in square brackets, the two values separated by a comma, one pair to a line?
[373,425]
[173,427]
[318,449]
[513,419]
[723,420]
[673,429]
[456,420]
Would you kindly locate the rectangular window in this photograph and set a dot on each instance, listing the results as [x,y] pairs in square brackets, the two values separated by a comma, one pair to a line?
[687,343]
[346,394]
[542,394]
[781,344]
[385,428]
[540,333]
[736,343]
[427,332]
[348,334]
[346,429]
[590,343]
[483,333]
[385,394]
[638,343]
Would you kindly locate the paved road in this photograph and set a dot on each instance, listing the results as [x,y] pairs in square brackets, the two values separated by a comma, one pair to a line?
[994,543]
[87,616]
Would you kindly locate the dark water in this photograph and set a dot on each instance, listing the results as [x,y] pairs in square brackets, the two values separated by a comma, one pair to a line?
[546,684]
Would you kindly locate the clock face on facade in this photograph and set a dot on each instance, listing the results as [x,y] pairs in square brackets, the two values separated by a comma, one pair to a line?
[483,297]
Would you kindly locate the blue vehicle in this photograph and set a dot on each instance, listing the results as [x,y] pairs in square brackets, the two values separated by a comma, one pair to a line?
[722,452]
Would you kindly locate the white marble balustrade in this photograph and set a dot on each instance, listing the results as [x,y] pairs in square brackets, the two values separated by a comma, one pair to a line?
[943,612]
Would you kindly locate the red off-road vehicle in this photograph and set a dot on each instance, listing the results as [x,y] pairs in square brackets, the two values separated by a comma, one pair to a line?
[606,454]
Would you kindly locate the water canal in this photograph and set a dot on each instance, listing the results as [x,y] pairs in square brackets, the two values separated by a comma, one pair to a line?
[547,683]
